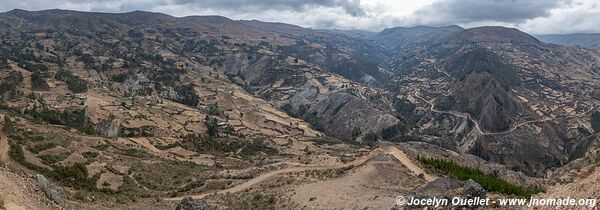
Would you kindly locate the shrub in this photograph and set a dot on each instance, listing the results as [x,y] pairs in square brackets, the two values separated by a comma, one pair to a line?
[10,82]
[75,84]
[370,139]
[595,121]
[315,121]
[38,82]
[9,125]
[212,109]
[41,147]
[71,118]
[74,176]
[212,124]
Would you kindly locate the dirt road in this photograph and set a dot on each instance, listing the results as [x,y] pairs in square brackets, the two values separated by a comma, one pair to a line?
[390,150]
[468,117]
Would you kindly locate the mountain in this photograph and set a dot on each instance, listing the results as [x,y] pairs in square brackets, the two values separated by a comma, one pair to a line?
[396,37]
[503,80]
[143,109]
[583,40]
[360,34]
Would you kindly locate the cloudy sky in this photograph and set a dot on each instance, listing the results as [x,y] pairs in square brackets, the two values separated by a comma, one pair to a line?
[532,16]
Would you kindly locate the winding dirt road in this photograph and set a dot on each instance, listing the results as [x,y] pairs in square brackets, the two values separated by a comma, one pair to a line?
[390,150]
[468,116]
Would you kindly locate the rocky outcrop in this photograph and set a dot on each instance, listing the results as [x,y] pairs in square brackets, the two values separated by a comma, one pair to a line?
[189,203]
[109,127]
[341,113]
[472,189]
[51,191]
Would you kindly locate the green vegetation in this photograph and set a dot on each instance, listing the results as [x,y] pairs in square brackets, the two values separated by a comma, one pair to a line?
[393,131]
[370,139]
[72,118]
[119,77]
[214,145]
[311,117]
[42,146]
[488,182]
[442,130]
[187,95]
[288,109]
[38,82]
[10,82]
[87,59]
[9,125]
[74,176]
[339,107]
[213,109]
[53,159]
[315,121]
[255,200]
[33,67]
[595,121]
[145,131]
[355,132]
[212,124]
[76,84]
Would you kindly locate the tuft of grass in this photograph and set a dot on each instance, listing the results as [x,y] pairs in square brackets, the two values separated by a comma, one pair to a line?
[488,182]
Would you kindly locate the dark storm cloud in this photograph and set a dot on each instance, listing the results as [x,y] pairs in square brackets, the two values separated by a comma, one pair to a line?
[467,11]
[351,7]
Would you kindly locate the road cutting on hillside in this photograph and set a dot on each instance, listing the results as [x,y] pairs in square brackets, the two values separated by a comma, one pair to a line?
[389,150]
[477,127]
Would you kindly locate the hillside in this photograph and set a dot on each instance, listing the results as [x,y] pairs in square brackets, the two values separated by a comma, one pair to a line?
[141,110]
[583,40]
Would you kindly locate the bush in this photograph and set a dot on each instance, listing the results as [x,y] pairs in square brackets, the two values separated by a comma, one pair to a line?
[212,109]
[76,84]
[595,121]
[38,82]
[488,182]
[370,139]
[87,59]
[11,82]
[74,176]
[71,118]
[41,147]
[212,124]
[315,121]
[393,131]
[9,125]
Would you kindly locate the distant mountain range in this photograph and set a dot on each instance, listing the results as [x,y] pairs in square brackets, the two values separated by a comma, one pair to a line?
[591,40]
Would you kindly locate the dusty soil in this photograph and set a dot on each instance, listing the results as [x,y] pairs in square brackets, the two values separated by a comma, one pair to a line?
[412,170]
[19,192]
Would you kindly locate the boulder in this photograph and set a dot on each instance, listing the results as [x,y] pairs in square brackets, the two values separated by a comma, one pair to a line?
[473,189]
[109,127]
[50,190]
[189,203]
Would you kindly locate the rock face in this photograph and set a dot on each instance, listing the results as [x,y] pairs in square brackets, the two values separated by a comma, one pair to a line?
[189,203]
[472,189]
[109,127]
[50,190]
